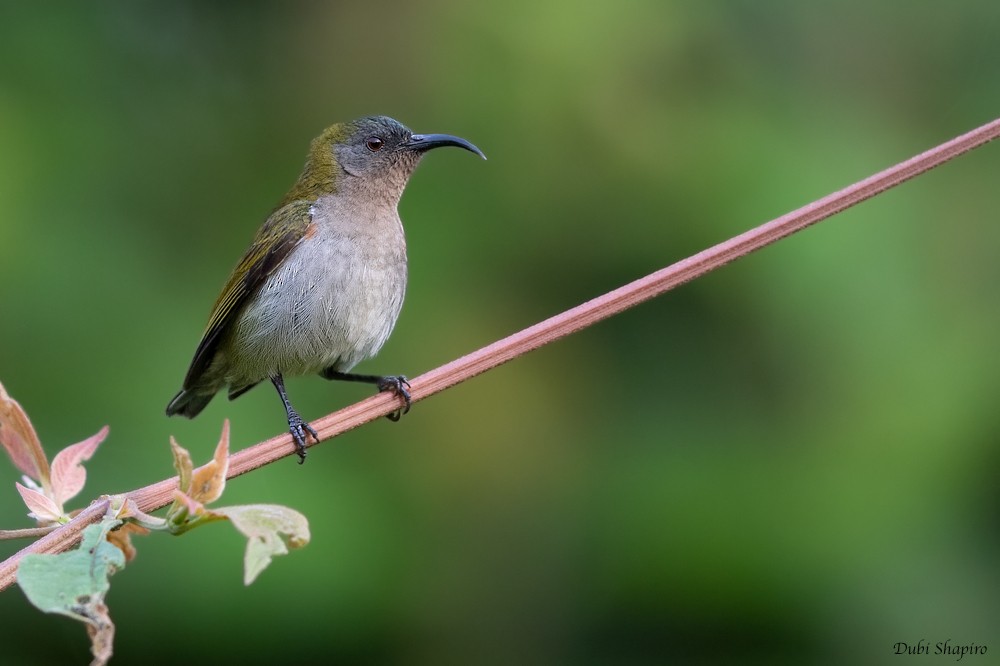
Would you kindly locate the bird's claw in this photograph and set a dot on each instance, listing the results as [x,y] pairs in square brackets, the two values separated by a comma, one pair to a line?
[400,386]
[299,429]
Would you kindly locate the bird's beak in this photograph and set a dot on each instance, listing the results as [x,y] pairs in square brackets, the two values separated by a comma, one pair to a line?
[424,142]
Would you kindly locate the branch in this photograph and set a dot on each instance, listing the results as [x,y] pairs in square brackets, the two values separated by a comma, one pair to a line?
[159,494]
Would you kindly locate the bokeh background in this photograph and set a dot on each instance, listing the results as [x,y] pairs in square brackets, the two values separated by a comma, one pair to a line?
[791,460]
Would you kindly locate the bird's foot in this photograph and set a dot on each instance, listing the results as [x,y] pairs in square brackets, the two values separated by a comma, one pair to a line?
[299,429]
[400,386]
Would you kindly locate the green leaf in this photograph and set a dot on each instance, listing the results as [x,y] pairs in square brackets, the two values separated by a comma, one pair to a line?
[74,584]
[271,530]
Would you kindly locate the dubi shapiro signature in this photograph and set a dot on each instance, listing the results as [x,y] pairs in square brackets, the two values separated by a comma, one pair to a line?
[942,647]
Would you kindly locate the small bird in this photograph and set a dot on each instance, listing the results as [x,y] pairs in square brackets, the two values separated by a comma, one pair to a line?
[322,284]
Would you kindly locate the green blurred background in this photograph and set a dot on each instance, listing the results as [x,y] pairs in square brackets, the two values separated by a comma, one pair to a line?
[791,460]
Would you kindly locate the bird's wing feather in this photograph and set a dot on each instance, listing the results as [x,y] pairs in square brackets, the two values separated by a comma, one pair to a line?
[274,241]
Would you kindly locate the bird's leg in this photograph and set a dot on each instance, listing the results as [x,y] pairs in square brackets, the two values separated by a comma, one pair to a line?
[398,384]
[296,425]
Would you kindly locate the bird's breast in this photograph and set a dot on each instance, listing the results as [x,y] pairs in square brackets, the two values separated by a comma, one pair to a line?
[333,302]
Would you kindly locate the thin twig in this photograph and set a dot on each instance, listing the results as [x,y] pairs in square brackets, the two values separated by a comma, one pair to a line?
[27,533]
[159,494]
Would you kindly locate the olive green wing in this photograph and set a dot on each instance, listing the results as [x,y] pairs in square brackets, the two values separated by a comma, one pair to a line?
[276,238]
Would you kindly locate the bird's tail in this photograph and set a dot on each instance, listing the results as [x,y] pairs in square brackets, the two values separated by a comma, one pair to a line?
[188,403]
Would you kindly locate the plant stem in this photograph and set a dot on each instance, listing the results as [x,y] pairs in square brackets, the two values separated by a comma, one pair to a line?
[26,533]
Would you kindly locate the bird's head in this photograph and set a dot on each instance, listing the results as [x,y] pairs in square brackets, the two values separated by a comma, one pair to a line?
[375,155]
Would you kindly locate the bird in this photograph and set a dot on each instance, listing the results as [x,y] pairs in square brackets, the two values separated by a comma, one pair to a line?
[322,283]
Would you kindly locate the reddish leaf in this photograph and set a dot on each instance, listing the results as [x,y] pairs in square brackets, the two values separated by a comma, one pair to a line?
[122,538]
[209,480]
[191,507]
[183,465]
[68,474]
[42,508]
[20,440]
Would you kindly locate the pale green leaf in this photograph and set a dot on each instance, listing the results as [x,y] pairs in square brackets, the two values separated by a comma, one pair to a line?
[271,530]
[74,584]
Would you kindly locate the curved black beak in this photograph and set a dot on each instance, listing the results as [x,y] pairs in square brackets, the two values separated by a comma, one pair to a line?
[424,142]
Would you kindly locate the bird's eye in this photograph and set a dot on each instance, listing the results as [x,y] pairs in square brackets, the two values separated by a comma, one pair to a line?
[374,144]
